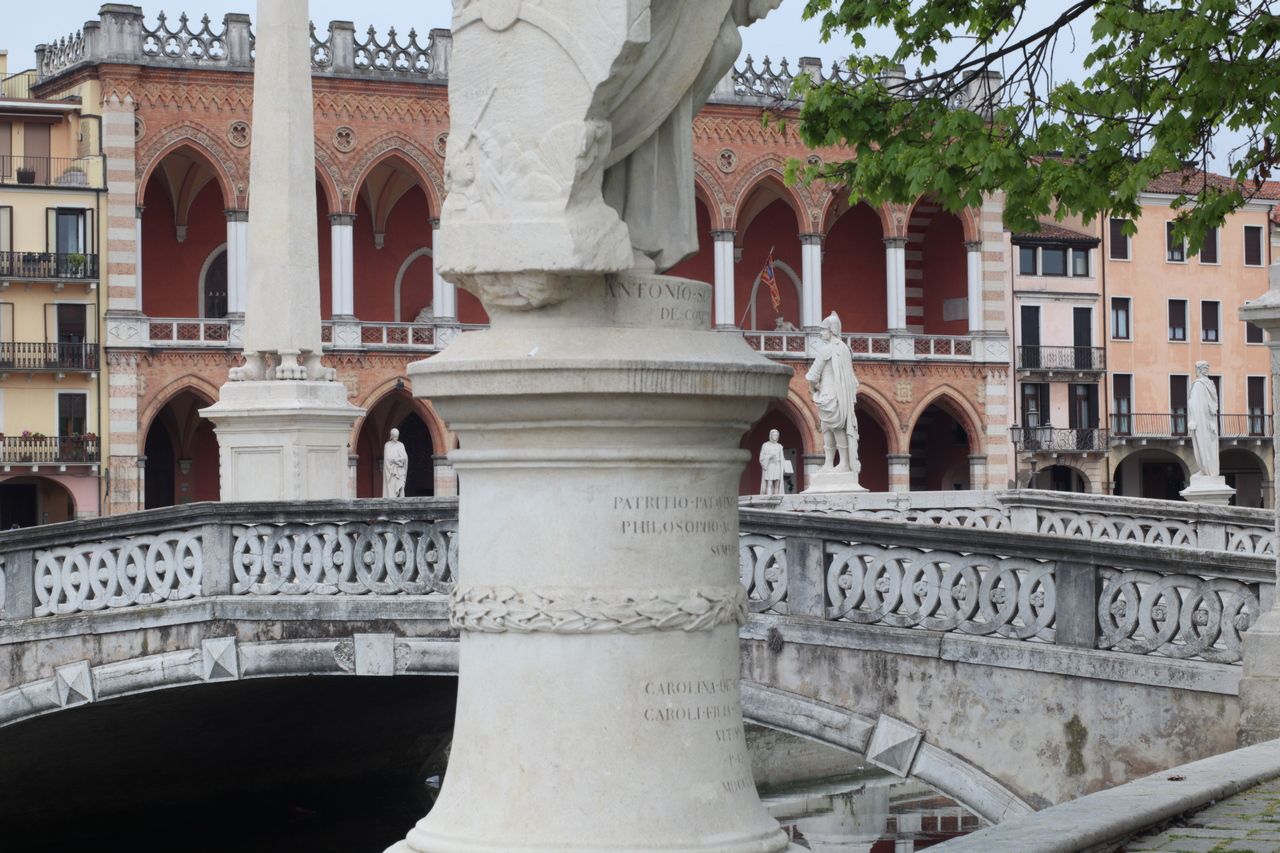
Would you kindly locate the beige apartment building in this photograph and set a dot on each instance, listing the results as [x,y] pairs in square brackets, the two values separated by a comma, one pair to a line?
[1109,328]
[52,192]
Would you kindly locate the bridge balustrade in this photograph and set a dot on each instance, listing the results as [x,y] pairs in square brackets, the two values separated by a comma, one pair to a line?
[1028,566]
[1044,588]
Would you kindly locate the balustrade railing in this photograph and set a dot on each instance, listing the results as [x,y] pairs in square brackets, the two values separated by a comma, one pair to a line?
[1177,425]
[189,332]
[1069,359]
[1031,587]
[783,344]
[1050,439]
[60,357]
[62,172]
[49,450]
[48,265]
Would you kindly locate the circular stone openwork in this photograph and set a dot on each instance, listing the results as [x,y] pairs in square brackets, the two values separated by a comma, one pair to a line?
[728,160]
[238,133]
[344,139]
[442,143]
[139,127]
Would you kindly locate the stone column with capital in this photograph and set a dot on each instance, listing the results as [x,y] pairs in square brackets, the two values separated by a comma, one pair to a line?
[342,279]
[811,280]
[723,249]
[977,308]
[899,472]
[895,249]
[282,421]
[444,294]
[598,696]
[237,260]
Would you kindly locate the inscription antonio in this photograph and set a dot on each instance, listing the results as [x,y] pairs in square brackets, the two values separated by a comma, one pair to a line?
[690,303]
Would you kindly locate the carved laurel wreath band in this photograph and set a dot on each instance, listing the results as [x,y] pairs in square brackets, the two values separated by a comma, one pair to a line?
[497,610]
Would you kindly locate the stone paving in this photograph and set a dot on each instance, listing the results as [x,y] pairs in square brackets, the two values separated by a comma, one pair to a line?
[1249,822]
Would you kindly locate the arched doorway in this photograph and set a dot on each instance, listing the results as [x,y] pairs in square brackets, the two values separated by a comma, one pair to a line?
[396,410]
[213,285]
[792,441]
[1060,478]
[32,501]
[940,448]
[853,271]
[1151,473]
[181,453]
[873,451]
[767,220]
[1247,474]
[183,224]
[937,272]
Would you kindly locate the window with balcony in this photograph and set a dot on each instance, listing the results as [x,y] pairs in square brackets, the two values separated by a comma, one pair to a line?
[1256,389]
[1122,403]
[1178,404]
[1120,318]
[1083,417]
[1118,241]
[1209,251]
[1177,319]
[72,414]
[1175,248]
[1253,246]
[70,231]
[1253,334]
[1210,320]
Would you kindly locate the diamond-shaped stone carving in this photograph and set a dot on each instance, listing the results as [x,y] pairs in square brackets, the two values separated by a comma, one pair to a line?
[73,684]
[894,745]
[375,654]
[220,659]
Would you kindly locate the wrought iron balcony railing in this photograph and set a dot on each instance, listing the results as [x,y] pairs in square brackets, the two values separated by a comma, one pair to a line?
[48,265]
[49,450]
[61,357]
[1067,359]
[1049,439]
[1177,425]
[61,172]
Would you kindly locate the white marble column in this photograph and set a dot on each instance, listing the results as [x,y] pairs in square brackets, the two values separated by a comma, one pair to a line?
[137,271]
[811,280]
[722,244]
[977,471]
[973,254]
[895,250]
[444,295]
[342,281]
[237,260]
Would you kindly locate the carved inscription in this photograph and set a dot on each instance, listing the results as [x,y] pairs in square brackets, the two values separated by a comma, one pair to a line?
[689,304]
[709,700]
[663,515]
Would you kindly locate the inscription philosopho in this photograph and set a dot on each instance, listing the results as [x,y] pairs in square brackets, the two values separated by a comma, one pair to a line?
[690,514]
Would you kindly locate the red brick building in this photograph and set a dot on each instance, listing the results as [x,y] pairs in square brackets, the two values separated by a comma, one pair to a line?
[921,292]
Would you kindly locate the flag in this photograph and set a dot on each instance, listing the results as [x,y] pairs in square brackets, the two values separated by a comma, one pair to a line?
[769,280]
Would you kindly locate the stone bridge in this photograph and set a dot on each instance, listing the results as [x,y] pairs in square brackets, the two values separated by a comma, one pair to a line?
[1014,650]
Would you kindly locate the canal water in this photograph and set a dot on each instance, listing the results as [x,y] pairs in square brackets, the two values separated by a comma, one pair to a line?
[826,799]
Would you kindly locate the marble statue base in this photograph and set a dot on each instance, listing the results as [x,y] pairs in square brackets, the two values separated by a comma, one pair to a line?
[1208,490]
[1260,681]
[833,482]
[599,603]
[283,440]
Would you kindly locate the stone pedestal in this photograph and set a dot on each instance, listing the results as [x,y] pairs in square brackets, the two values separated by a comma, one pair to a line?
[1208,490]
[833,482]
[599,603]
[283,440]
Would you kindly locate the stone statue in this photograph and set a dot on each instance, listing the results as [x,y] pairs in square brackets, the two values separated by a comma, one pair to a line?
[1202,421]
[395,466]
[595,175]
[772,466]
[835,392]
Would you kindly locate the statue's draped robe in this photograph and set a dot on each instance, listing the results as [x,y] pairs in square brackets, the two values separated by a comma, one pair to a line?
[837,394]
[1202,410]
[395,469]
[771,462]
[692,47]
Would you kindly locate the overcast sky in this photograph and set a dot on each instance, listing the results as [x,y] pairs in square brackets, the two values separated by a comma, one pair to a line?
[782,34]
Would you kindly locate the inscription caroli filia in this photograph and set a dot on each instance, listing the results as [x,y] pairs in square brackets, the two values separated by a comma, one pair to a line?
[695,701]
[685,303]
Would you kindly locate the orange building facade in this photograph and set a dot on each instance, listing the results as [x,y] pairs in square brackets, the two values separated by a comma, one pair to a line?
[922,293]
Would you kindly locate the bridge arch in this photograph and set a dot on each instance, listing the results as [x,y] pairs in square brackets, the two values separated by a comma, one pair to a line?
[960,780]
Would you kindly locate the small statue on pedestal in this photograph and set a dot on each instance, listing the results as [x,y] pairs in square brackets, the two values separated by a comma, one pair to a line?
[395,467]
[834,387]
[1207,483]
[773,464]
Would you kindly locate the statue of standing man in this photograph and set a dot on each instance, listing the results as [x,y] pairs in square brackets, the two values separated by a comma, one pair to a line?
[1202,421]
[772,466]
[395,467]
[835,392]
